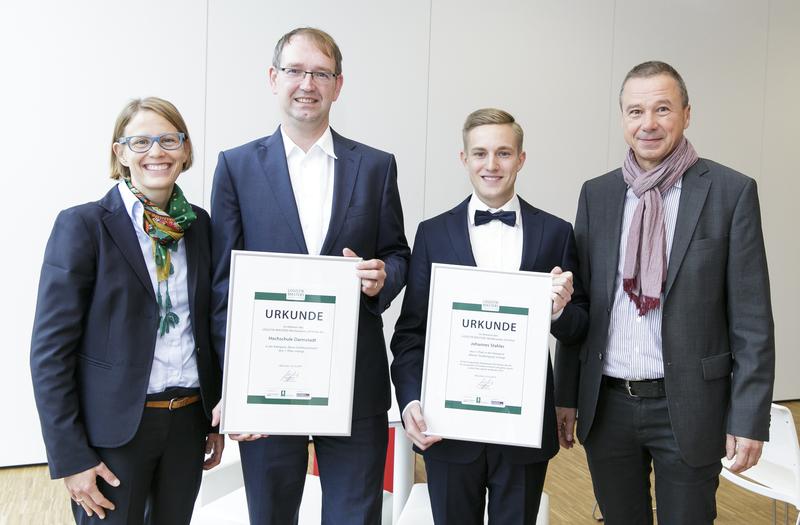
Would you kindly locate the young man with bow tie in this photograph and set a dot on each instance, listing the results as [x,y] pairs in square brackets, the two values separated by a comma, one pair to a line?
[492,228]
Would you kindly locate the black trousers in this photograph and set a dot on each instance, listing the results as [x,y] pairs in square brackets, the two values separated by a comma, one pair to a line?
[629,437]
[159,470]
[458,491]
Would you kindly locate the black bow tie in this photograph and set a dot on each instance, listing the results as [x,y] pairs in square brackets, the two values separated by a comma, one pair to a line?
[485,217]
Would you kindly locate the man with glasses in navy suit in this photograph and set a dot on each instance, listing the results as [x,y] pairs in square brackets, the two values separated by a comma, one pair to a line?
[306,189]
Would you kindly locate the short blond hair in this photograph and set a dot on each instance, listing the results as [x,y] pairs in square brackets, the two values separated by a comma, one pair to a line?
[321,39]
[489,116]
[159,106]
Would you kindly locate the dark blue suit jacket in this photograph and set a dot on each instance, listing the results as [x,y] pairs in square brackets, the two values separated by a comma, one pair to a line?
[548,241]
[253,208]
[95,331]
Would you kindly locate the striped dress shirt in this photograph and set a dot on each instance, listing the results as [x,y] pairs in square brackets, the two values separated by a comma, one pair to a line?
[634,342]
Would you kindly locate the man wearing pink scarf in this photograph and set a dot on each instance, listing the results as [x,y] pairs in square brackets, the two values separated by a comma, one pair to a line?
[678,365]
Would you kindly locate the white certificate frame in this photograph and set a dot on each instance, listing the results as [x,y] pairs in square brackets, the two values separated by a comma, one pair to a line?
[310,289]
[456,353]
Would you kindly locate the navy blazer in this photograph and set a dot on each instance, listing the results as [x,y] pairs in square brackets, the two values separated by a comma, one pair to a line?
[95,328]
[253,208]
[547,242]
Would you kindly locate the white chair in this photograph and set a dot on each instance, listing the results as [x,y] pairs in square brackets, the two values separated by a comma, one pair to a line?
[417,510]
[777,474]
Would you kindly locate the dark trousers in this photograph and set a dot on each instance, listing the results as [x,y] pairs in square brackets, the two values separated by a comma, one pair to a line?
[629,436]
[350,470]
[159,470]
[458,490]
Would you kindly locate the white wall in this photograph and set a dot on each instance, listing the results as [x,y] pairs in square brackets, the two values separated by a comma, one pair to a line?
[68,68]
[412,72]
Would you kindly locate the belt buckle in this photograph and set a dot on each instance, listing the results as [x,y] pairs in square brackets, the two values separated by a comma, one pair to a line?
[172,401]
[628,388]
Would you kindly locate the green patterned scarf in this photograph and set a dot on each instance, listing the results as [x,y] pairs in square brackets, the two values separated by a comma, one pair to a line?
[165,228]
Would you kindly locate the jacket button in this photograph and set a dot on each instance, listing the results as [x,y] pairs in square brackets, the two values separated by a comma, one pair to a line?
[600,356]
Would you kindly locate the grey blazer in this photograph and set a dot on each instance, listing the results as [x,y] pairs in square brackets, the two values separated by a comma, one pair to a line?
[717,329]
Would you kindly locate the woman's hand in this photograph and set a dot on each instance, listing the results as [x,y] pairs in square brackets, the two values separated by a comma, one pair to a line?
[82,488]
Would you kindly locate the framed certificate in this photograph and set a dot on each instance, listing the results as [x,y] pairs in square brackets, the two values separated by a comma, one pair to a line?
[290,348]
[486,354]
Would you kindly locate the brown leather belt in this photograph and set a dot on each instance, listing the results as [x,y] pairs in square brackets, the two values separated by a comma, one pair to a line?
[649,388]
[174,403]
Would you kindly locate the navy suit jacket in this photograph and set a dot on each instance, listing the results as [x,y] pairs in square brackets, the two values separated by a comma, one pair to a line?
[547,242]
[95,329]
[253,208]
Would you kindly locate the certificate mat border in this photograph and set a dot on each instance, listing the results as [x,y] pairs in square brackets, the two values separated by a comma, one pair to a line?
[346,417]
[474,307]
[435,267]
[307,298]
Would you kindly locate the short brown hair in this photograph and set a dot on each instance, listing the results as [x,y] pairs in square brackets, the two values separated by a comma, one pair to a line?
[654,68]
[487,116]
[321,39]
[157,105]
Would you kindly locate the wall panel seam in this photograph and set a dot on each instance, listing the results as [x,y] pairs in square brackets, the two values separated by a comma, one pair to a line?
[427,113]
[611,85]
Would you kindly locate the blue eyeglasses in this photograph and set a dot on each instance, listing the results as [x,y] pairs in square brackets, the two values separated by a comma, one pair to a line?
[143,143]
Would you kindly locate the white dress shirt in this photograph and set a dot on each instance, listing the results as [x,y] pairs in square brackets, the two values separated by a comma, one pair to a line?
[495,245]
[634,342]
[174,360]
[311,174]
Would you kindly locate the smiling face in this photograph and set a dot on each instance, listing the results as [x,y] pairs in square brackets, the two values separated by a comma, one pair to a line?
[153,172]
[305,103]
[653,118]
[492,158]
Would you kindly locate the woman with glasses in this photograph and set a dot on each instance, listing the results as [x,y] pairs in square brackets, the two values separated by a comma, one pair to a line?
[122,367]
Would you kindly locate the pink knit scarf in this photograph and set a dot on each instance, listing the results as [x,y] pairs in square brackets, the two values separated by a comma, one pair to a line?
[645,270]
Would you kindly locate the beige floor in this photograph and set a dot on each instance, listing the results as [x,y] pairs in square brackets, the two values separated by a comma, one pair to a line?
[29,497]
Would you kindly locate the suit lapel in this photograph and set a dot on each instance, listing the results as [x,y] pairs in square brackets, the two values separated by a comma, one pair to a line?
[345,173]
[190,242]
[531,235]
[457,229]
[613,202]
[272,156]
[694,190]
[118,224]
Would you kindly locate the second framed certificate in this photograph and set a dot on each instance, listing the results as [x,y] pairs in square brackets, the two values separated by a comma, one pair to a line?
[291,344]
[486,354]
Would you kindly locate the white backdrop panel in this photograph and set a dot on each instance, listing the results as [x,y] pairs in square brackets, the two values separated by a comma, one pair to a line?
[547,63]
[71,66]
[383,101]
[719,48]
[779,188]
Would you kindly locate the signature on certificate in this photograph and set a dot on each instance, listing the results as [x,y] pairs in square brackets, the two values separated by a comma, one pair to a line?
[290,376]
[485,384]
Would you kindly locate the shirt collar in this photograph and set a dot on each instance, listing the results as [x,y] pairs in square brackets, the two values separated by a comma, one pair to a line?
[475,203]
[325,143]
[132,205]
